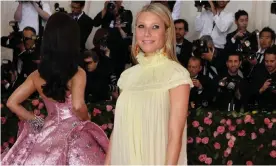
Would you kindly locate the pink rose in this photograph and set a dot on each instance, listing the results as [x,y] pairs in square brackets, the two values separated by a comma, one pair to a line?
[217,145]
[37,112]
[190,140]
[5,145]
[252,121]
[231,143]
[233,138]
[104,126]
[232,128]
[207,121]
[215,134]
[202,157]
[42,116]
[273,153]
[220,129]
[228,122]
[40,106]
[11,140]
[238,121]
[110,125]
[210,114]
[200,129]
[96,111]
[225,154]
[270,125]
[247,119]
[222,121]
[249,163]
[109,108]
[195,123]
[198,140]
[266,121]
[261,130]
[228,135]
[205,140]
[35,102]
[229,162]
[253,136]
[208,160]
[3,120]
[241,133]
[273,143]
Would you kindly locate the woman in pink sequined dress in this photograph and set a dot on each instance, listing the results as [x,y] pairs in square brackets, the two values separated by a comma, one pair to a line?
[66,137]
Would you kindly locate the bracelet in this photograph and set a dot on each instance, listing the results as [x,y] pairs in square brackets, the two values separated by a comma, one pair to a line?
[36,123]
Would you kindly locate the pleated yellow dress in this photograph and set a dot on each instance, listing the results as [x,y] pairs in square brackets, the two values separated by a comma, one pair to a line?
[140,134]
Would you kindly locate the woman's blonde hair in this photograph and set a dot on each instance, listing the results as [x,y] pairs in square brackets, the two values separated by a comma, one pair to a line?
[164,13]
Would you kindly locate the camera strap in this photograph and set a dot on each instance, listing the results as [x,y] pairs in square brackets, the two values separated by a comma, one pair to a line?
[40,27]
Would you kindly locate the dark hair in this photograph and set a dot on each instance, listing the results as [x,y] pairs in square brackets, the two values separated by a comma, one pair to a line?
[91,54]
[186,25]
[28,28]
[82,3]
[240,13]
[235,54]
[271,50]
[194,58]
[100,33]
[59,52]
[267,29]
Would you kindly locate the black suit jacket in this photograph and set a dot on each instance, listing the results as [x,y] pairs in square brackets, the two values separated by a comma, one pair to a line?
[86,26]
[230,46]
[185,53]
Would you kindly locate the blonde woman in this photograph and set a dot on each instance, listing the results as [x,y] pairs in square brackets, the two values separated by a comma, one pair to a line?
[151,111]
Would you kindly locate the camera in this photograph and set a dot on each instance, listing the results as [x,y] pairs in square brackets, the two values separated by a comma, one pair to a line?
[228,83]
[59,9]
[15,37]
[111,6]
[272,86]
[200,3]
[200,47]
[249,45]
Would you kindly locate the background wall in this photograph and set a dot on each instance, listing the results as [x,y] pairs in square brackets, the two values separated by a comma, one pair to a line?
[259,13]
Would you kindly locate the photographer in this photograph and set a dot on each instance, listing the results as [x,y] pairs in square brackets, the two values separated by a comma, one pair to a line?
[214,21]
[263,85]
[236,38]
[33,14]
[231,86]
[202,92]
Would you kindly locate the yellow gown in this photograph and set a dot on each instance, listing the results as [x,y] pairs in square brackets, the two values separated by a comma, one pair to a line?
[140,133]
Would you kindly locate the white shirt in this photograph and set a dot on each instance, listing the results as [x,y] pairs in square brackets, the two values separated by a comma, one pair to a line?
[30,16]
[223,21]
[176,10]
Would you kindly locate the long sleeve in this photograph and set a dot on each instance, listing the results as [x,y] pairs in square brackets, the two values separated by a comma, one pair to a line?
[176,10]
[224,21]
[199,23]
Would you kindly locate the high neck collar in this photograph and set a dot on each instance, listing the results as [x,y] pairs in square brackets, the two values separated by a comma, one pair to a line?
[157,58]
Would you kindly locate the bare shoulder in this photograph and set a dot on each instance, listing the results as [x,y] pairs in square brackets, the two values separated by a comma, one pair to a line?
[79,76]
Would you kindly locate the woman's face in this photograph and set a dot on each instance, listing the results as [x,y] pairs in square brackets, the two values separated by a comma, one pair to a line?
[150,32]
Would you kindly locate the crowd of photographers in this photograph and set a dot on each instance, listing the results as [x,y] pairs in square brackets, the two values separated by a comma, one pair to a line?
[230,71]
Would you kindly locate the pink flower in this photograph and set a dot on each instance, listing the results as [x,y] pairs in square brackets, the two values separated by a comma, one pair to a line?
[11,140]
[104,126]
[249,163]
[217,145]
[247,119]
[252,121]
[37,112]
[232,128]
[190,140]
[229,162]
[270,125]
[40,106]
[241,133]
[96,111]
[208,160]
[273,154]
[238,121]
[210,114]
[110,125]
[220,129]
[195,123]
[253,136]
[228,135]
[35,102]
[266,121]
[205,140]
[3,120]
[233,138]
[261,130]
[231,143]
[200,129]
[207,121]
[228,122]
[215,134]
[222,121]
[198,140]
[5,145]
[273,120]
[109,108]
[273,143]
[202,157]
[42,116]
